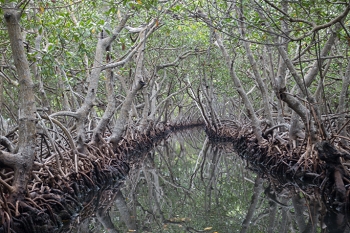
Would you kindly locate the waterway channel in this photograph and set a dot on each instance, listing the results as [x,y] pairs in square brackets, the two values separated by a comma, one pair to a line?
[188,184]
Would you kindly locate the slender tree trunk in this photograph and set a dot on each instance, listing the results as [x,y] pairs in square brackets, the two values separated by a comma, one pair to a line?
[237,83]
[65,102]
[294,103]
[145,111]
[272,217]
[22,162]
[84,110]
[262,86]
[311,226]
[111,106]
[139,82]
[45,104]
[284,218]
[2,120]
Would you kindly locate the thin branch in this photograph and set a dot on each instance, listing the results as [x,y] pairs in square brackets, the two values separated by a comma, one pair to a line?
[315,27]
[65,113]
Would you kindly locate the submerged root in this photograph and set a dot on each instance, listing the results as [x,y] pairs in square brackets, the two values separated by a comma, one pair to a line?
[317,164]
[63,178]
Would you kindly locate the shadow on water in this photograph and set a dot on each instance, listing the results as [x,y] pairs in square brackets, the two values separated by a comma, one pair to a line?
[188,184]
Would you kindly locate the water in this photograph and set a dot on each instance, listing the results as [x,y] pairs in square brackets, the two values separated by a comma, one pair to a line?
[187,184]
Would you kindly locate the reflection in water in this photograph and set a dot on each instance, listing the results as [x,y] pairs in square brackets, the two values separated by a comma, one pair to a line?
[187,184]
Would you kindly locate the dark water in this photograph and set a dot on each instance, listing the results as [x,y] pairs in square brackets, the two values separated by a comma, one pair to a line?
[187,184]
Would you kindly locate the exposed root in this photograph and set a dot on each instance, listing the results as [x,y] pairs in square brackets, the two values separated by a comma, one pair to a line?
[317,164]
[63,178]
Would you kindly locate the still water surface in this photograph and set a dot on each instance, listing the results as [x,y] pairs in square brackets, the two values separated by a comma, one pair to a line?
[187,184]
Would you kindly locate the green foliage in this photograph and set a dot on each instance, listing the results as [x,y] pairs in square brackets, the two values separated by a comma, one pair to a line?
[69,33]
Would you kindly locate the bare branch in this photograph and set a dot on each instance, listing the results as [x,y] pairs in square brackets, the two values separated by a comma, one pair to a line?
[7,143]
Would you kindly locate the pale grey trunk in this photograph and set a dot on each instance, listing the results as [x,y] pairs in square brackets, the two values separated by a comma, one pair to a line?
[84,226]
[3,123]
[84,110]
[280,83]
[285,222]
[22,162]
[37,76]
[207,90]
[272,217]
[312,73]
[237,83]
[249,108]
[262,86]
[295,104]
[320,96]
[304,83]
[145,111]
[104,218]
[311,226]
[61,87]
[109,112]
[155,88]
[138,83]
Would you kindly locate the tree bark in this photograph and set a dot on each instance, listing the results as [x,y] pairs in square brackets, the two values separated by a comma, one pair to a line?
[109,112]
[138,83]
[262,86]
[237,83]
[104,218]
[83,111]
[22,162]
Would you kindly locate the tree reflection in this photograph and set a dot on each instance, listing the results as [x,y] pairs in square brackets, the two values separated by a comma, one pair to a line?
[188,184]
